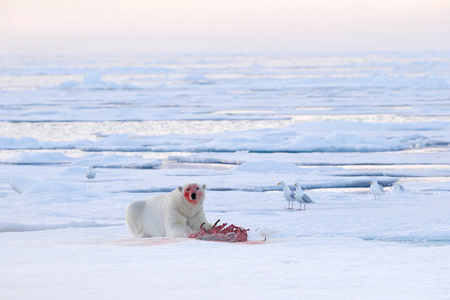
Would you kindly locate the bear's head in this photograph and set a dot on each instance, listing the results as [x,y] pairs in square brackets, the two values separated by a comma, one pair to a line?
[193,193]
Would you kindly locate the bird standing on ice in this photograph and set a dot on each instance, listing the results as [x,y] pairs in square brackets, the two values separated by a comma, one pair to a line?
[90,173]
[398,189]
[265,232]
[288,194]
[376,189]
[301,197]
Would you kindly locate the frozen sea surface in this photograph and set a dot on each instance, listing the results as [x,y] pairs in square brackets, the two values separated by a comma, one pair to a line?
[239,124]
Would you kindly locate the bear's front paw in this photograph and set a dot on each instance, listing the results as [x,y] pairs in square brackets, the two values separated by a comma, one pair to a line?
[180,232]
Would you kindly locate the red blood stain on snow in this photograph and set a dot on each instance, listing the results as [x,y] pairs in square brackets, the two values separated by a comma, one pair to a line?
[254,242]
[139,242]
[143,242]
[146,242]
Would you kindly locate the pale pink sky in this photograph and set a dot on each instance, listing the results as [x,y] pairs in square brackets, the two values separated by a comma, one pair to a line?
[177,26]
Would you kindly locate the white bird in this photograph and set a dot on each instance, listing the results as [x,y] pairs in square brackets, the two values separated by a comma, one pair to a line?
[376,189]
[301,197]
[398,189]
[288,194]
[90,173]
[265,232]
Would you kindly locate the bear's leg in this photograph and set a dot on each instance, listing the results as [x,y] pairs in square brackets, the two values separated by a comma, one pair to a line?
[179,230]
[176,225]
[197,220]
[134,218]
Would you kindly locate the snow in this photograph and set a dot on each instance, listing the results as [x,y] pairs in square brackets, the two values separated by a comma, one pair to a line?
[17,227]
[106,161]
[239,124]
[267,167]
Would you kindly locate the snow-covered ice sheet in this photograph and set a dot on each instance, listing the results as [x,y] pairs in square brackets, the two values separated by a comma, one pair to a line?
[239,124]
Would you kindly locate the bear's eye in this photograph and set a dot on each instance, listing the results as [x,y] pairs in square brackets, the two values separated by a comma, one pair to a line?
[188,189]
[196,189]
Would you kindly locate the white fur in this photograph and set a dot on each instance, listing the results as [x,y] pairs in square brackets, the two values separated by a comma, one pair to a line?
[167,215]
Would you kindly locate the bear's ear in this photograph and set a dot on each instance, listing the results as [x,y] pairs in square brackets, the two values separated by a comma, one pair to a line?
[204,186]
[180,188]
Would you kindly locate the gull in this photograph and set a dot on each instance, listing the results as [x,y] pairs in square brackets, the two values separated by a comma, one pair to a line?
[301,197]
[265,232]
[398,189]
[288,194]
[90,173]
[376,189]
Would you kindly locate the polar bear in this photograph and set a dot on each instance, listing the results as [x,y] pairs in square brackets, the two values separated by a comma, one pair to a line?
[175,214]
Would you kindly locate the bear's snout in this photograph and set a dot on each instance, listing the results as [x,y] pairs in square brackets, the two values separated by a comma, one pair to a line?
[192,193]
